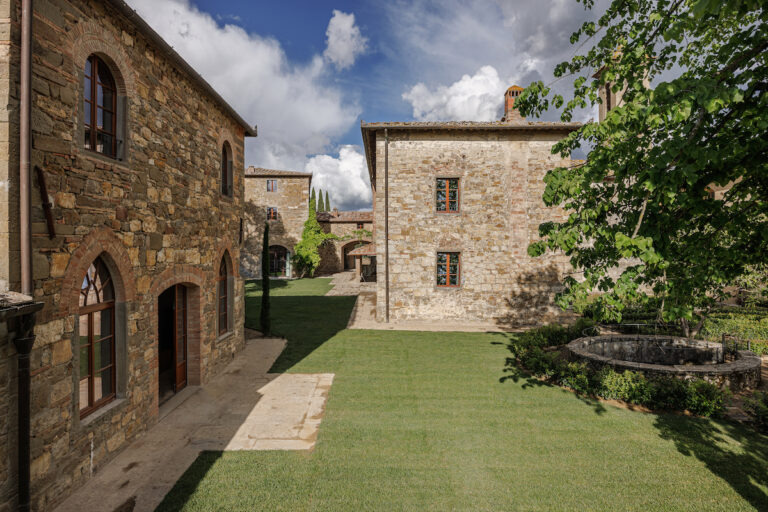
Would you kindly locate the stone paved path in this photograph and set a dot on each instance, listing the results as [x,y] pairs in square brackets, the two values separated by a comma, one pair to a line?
[244,408]
[346,283]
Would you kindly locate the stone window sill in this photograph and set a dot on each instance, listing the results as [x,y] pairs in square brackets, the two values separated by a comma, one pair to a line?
[97,415]
[224,336]
[100,159]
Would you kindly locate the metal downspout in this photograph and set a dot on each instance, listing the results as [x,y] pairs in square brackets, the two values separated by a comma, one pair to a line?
[25,108]
[386,222]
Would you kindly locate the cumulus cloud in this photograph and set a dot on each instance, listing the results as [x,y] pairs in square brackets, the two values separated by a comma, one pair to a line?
[297,112]
[522,40]
[344,42]
[345,177]
[479,97]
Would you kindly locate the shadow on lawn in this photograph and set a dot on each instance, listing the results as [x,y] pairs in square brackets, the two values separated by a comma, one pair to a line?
[306,321]
[178,497]
[516,374]
[730,451]
[743,467]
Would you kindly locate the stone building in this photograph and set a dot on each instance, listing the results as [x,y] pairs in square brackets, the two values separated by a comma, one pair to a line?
[456,205]
[282,199]
[134,247]
[354,230]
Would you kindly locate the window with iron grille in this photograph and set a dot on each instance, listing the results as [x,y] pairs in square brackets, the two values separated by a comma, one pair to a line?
[271,185]
[447,195]
[448,269]
[271,213]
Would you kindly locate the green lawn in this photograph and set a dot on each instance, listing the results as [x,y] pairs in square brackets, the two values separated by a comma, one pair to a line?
[431,421]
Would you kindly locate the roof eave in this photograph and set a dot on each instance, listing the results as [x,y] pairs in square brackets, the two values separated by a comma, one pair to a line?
[149,32]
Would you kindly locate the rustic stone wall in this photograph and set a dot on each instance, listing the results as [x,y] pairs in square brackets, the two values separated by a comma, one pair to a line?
[291,200]
[332,251]
[157,218]
[501,185]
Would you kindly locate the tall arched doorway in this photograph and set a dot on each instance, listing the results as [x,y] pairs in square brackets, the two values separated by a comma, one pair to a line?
[172,340]
[279,261]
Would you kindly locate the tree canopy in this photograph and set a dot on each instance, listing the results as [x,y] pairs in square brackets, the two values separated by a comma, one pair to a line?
[674,190]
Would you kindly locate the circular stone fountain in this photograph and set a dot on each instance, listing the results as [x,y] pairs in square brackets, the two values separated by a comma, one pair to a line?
[670,356]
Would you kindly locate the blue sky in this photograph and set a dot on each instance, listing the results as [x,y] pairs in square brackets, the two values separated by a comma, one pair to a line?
[307,72]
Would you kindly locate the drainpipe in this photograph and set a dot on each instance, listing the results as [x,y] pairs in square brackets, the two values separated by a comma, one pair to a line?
[25,228]
[386,221]
[23,345]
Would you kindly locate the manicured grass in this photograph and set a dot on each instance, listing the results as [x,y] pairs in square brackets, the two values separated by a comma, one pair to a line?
[430,421]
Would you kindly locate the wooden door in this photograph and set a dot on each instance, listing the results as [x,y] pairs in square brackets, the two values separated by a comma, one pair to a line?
[180,336]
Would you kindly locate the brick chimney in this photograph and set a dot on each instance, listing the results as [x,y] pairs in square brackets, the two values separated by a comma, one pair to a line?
[511,114]
[335,211]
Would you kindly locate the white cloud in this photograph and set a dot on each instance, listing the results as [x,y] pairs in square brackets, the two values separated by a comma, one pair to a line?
[297,113]
[344,40]
[345,177]
[479,97]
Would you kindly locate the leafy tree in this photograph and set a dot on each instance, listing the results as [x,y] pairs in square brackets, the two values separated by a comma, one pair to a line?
[642,201]
[307,256]
[321,207]
[312,199]
[266,323]
[327,202]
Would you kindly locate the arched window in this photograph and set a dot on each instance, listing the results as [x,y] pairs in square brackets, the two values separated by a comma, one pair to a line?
[97,338]
[226,170]
[100,108]
[223,282]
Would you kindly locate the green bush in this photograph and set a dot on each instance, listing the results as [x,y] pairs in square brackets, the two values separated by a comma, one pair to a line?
[668,394]
[705,398]
[757,407]
[627,386]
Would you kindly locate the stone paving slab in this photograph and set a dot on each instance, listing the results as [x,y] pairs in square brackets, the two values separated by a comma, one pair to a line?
[244,408]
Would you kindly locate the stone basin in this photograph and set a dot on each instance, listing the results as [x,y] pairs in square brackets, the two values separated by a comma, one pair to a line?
[670,356]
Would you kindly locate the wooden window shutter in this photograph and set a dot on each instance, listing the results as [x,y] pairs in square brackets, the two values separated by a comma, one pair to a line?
[230,177]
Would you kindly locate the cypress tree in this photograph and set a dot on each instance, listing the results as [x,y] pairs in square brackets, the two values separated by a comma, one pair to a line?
[266,325]
[312,199]
[327,202]
[321,206]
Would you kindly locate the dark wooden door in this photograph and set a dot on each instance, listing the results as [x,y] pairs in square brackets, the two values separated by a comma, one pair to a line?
[180,336]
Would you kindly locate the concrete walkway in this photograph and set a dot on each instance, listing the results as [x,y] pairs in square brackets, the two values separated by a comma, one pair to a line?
[346,283]
[244,408]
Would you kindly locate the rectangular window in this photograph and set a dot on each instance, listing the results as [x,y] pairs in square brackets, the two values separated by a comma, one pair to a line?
[271,185]
[448,269]
[271,213]
[447,195]
[359,225]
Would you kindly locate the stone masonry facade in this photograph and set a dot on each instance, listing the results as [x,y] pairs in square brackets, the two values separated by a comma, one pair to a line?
[156,217]
[290,197]
[353,230]
[500,168]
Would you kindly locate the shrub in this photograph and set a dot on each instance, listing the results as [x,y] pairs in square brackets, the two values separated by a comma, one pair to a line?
[705,398]
[757,407]
[576,377]
[668,394]
[628,386]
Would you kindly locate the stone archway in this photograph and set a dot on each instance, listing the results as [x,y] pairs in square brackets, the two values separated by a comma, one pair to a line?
[348,262]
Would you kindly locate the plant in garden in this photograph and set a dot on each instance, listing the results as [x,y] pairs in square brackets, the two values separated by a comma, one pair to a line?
[643,199]
[757,407]
[266,325]
[307,254]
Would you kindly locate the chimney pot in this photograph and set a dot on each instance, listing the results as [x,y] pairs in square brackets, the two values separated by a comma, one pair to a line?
[511,114]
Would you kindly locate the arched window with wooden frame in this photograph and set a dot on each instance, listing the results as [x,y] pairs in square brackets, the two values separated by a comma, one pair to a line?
[226,170]
[101,119]
[224,296]
[96,330]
